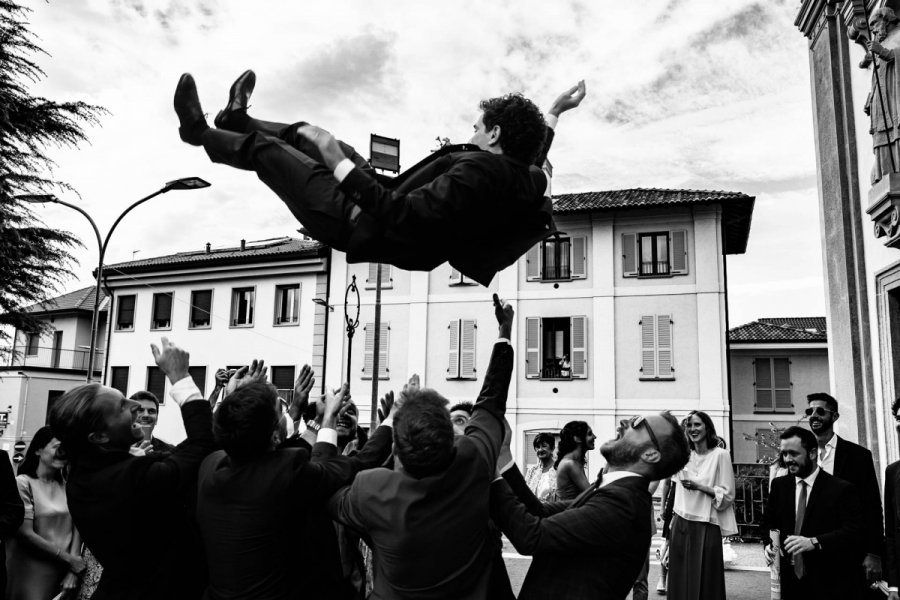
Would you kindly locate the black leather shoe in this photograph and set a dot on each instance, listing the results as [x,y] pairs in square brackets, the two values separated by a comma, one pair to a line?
[191,119]
[234,115]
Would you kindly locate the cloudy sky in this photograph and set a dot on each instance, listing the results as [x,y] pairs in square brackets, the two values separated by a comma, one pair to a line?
[700,94]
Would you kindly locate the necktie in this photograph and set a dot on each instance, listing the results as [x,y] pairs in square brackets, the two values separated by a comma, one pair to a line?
[799,569]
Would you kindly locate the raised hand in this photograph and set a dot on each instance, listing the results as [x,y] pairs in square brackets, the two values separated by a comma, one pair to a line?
[222,377]
[504,313]
[387,405]
[332,403]
[569,99]
[172,360]
[255,373]
[409,389]
[302,387]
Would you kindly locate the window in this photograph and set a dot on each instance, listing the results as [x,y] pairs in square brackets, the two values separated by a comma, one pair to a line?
[656,347]
[657,254]
[120,379]
[201,307]
[125,314]
[386,280]
[162,311]
[369,351]
[287,304]
[242,303]
[556,348]
[557,258]
[198,374]
[283,380]
[156,383]
[462,349]
[457,278]
[32,344]
[773,385]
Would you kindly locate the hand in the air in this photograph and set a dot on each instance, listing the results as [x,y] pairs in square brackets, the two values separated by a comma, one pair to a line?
[386,408]
[302,387]
[222,378]
[331,404]
[172,360]
[504,313]
[569,99]
[326,143]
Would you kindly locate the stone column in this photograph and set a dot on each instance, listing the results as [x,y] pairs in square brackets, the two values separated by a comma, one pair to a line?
[824,23]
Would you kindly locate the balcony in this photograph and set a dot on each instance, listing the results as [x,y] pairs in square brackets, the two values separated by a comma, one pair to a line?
[655,268]
[55,358]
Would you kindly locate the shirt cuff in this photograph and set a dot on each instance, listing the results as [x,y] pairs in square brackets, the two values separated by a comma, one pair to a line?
[343,169]
[329,436]
[389,422]
[185,390]
[551,121]
[504,340]
[892,588]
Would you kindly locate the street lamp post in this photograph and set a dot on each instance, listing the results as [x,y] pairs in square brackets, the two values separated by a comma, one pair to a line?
[352,324]
[187,183]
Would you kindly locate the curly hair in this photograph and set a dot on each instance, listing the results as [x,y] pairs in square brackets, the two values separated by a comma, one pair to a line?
[567,441]
[522,125]
[423,434]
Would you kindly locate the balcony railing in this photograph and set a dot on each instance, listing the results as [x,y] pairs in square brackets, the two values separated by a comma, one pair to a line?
[554,272]
[54,358]
[655,268]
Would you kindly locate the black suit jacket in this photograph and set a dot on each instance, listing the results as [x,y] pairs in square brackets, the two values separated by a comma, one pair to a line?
[253,518]
[133,513]
[892,523]
[854,463]
[593,547]
[833,517]
[12,509]
[478,210]
[430,536]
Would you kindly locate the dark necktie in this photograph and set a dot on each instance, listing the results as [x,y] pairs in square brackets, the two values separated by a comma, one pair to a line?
[799,569]
[587,493]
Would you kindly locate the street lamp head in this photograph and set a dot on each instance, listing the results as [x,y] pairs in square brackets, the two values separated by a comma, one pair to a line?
[36,198]
[187,183]
[324,304]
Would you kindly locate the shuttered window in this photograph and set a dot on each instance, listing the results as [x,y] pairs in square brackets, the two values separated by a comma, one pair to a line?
[556,348]
[657,347]
[656,254]
[462,349]
[283,380]
[773,384]
[386,279]
[156,383]
[125,314]
[558,258]
[119,379]
[201,307]
[198,374]
[162,311]
[369,351]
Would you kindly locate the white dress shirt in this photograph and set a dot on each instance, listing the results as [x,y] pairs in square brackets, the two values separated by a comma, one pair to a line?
[826,455]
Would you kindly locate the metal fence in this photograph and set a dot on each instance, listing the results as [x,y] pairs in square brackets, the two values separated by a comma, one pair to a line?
[54,358]
[751,482]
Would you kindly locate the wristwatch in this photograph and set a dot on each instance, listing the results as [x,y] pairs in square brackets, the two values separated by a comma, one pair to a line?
[815,543]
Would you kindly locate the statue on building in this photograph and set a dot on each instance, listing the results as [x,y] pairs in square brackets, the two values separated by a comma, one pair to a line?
[883,103]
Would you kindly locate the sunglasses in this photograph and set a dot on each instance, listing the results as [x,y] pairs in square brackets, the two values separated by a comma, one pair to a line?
[639,420]
[818,411]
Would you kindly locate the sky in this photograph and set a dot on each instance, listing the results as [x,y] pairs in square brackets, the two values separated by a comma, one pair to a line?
[690,94]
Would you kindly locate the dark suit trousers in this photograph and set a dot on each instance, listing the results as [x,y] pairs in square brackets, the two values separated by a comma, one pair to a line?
[292,168]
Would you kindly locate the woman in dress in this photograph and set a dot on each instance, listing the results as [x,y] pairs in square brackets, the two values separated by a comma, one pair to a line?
[575,439]
[541,478]
[44,555]
[703,516]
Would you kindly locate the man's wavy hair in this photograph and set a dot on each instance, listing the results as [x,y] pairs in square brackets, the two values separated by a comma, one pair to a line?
[522,125]
[245,420]
[423,434]
[673,448]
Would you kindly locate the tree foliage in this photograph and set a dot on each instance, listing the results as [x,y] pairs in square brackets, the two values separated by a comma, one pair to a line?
[34,259]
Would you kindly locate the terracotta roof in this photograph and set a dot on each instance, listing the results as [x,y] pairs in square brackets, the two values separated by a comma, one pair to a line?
[737,207]
[275,249]
[781,329]
[82,299]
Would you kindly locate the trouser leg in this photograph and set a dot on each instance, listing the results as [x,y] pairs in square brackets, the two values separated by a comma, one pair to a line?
[306,186]
[639,590]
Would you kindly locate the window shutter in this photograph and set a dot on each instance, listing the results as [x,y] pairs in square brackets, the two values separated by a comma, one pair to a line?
[201,308]
[198,374]
[383,351]
[373,273]
[126,312]
[579,347]
[453,359]
[532,347]
[533,262]
[455,276]
[679,252]
[763,367]
[295,307]
[648,346]
[369,351]
[664,345]
[120,379]
[629,255]
[162,309]
[467,349]
[782,383]
[579,257]
[156,383]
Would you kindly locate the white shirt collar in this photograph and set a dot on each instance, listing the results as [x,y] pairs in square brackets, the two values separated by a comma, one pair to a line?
[617,475]
[810,479]
[832,443]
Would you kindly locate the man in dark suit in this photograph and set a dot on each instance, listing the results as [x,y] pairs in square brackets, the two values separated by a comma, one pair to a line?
[479,206]
[851,462]
[428,517]
[12,512]
[133,512]
[892,516]
[596,546]
[148,416]
[818,519]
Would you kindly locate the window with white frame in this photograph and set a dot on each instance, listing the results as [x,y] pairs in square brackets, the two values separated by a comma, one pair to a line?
[386,280]
[462,349]
[654,254]
[201,308]
[772,384]
[556,347]
[283,380]
[369,351]
[125,313]
[558,258]
[656,347]
[242,306]
[287,304]
[32,343]
[162,311]
[457,278]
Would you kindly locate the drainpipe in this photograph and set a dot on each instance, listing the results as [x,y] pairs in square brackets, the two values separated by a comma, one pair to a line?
[24,406]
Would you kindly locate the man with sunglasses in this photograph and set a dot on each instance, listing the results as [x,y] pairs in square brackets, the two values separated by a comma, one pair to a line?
[851,462]
[596,546]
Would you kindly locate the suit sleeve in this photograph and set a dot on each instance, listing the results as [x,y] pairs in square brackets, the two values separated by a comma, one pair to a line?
[12,509]
[870,497]
[596,524]
[548,141]
[331,472]
[849,532]
[890,530]
[178,471]
[772,516]
[345,507]
[519,487]
[486,425]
